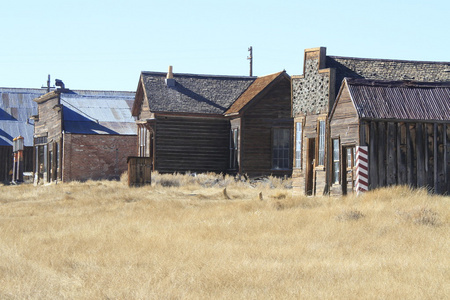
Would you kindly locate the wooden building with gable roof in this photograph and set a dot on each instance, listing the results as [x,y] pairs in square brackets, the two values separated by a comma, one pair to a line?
[212,123]
[313,96]
[404,125]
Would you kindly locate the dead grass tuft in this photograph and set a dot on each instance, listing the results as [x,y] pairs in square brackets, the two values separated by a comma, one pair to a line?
[420,216]
[350,215]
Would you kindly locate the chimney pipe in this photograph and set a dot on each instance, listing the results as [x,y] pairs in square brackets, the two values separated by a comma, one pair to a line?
[170,74]
[170,81]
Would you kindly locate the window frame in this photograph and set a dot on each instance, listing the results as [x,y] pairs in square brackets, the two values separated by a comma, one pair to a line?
[321,142]
[298,162]
[278,148]
[336,159]
[234,149]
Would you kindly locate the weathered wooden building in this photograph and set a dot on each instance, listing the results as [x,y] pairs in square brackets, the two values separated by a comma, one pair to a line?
[81,135]
[261,128]
[404,125]
[313,96]
[16,107]
[184,122]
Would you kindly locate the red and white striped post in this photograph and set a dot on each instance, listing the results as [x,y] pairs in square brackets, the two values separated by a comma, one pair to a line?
[362,169]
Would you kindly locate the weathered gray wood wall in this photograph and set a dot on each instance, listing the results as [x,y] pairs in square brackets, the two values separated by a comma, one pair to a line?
[191,144]
[409,153]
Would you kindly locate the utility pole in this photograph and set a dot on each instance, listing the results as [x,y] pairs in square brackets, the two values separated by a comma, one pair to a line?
[250,58]
[48,87]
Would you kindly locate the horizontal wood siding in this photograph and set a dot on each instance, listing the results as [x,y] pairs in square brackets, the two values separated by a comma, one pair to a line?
[273,110]
[344,126]
[186,144]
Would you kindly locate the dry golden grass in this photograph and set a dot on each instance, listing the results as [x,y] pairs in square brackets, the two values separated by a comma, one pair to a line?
[205,237]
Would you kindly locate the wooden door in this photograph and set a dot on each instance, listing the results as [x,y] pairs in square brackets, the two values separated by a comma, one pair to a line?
[348,169]
[310,160]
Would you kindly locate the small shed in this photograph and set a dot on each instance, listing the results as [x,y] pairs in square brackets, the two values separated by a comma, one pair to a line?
[405,126]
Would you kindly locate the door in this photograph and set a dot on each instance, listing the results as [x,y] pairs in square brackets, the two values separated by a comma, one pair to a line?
[348,169]
[310,160]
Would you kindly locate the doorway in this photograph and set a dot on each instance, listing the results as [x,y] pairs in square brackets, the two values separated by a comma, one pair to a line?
[310,160]
[348,169]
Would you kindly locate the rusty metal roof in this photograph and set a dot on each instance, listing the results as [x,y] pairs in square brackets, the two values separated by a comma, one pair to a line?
[98,112]
[400,100]
[16,107]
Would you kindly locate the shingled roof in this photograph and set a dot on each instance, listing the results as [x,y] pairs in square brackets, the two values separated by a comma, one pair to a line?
[400,100]
[388,69]
[196,94]
[255,89]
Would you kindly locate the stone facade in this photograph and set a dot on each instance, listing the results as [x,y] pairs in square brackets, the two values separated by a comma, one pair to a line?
[311,91]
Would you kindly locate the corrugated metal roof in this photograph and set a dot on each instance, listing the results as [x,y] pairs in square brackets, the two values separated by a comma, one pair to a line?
[97,112]
[16,107]
[375,99]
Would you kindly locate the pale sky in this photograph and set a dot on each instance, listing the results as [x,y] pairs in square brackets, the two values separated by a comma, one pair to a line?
[104,45]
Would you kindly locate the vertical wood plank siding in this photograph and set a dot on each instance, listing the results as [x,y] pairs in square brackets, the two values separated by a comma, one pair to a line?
[405,153]
[192,144]
[422,161]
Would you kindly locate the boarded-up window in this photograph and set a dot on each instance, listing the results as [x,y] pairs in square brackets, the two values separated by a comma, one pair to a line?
[321,161]
[298,145]
[281,148]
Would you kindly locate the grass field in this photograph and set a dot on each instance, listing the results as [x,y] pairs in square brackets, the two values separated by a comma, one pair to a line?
[208,237]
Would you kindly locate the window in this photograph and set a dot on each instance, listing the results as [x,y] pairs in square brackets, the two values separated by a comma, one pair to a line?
[298,145]
[336,161]
[234,140]
[351,157]
[144,139]
[281,148]
[321,161]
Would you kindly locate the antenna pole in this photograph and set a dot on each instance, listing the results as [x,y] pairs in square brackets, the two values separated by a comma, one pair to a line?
[250,58]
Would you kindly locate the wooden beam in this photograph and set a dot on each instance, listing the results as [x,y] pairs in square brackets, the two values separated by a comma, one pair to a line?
[439,161]
[420,150]
[401,153]
[373,156]
[429,165]
[391,159]
[447,156]
[382,154]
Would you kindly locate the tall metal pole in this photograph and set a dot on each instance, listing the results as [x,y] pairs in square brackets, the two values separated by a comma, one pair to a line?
[251,60]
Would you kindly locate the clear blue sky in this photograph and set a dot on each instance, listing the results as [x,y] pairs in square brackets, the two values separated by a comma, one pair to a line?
[104,45]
